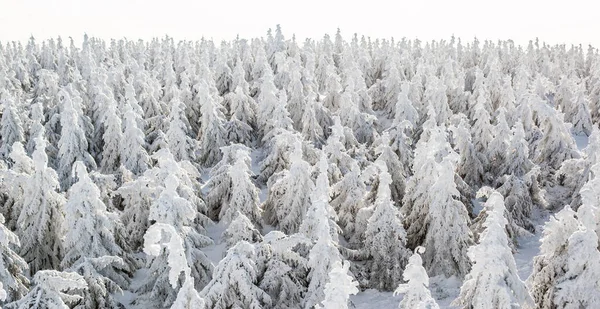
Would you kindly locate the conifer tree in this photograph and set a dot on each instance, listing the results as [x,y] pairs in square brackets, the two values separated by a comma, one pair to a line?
[12,267]
[212,135]
[416,289]
[385,237]
[41,219]
[73,145]
[339,288]
[133,151]
[52,289]
[11,126]
[551,263]
[181,145]
[448,236]
[493,281]
[289,194]
[235,281]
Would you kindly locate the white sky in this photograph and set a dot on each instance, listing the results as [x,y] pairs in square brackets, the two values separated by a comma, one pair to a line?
[571,22]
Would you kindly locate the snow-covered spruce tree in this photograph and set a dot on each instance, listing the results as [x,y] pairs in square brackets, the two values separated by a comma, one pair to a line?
[278,149]
[188,297]
[339,160]
[384,153]
[92,235]
[244,194]
[482,133]
[12,184]
[37,126]
[469,167]
[181,145]
[496,151]
[220,188]
[319,207]
[241,228]
[517,161]
[113,139]
[40,222]
[581,117]
[133,152]
[73,145]
[579,287]
[11,126]
[385,237]
[52,289]
[323,255]
[267,102]
[347,200]
[288,198]
[12,267]
[172,210]
[448,236]
[557,144]
[493,281]
[242,116]
[283,268]
[104,278]
[219,184]
[551,263]
[212,134]
[339,287]
[416,289]
[311,128]
[164,243]
[430,149]
[235,281]
[405,109]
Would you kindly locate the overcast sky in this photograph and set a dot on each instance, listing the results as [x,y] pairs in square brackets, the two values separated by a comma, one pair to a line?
[571,22]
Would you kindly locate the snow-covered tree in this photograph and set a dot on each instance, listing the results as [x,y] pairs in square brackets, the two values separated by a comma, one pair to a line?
[11,126]
[181,145]
[113,139]
[12,267]
[235,281]
[339,287]
[165,243]
[278,154]
[133,152]
[581,117]
[323,255]
[288,198]
[550,266]
[385,237]
[89,227]
[241,228]
[52,289]
[470,167]
[40,222]
[104,277]
[448,236]
[212,134]
[73,144]
[416,289]
[493,281]
[339,160]
[244,194]
[283,268]
[579,286]
[347,200]
[13,182]
[385,154]
[319,209]
[178,214]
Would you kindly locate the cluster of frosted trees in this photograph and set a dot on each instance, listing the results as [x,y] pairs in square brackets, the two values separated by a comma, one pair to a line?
[368,154]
